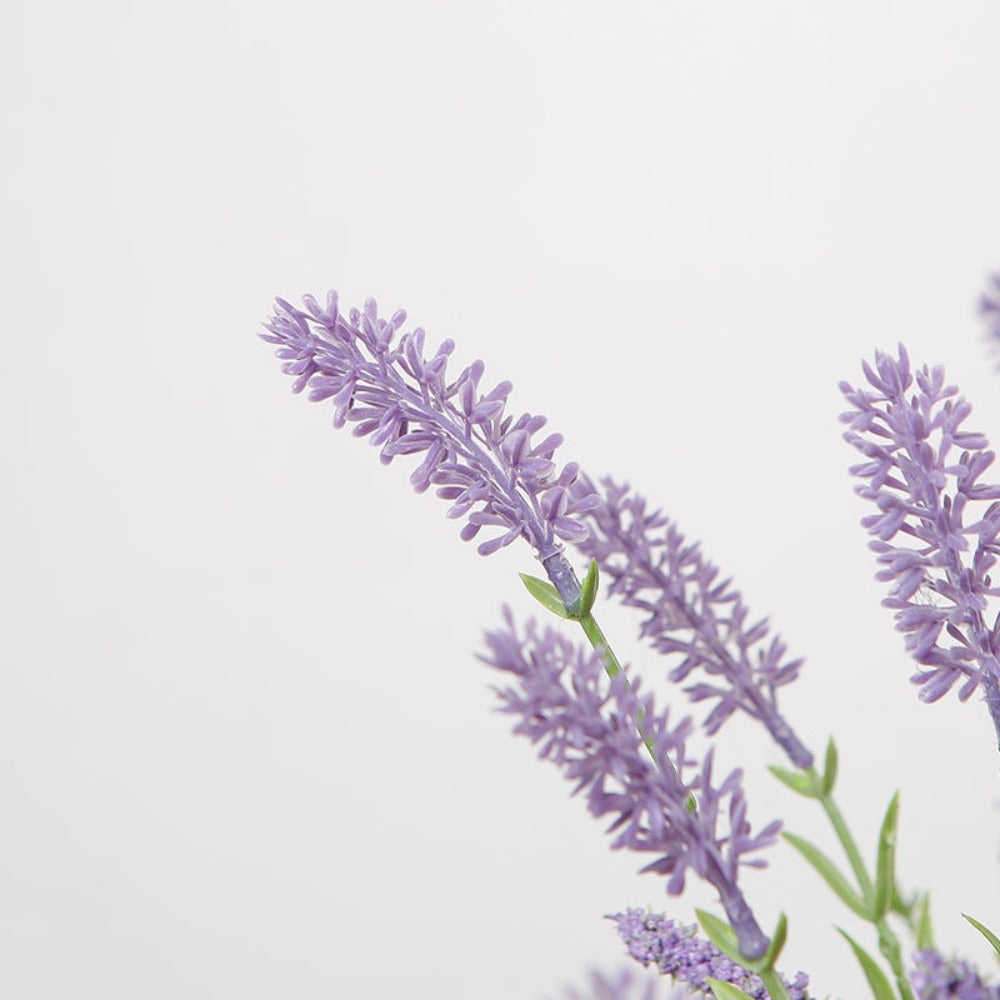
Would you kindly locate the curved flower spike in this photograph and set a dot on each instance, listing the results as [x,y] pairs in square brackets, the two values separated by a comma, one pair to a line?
[485,463]
[596,729]
[935,546]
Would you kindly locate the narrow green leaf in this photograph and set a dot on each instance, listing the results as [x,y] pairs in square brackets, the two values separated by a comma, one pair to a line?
[885,866]
[721,935]
[925,931]
[830,874]
[830,767]
[766,964]
[986,933]
[726,991]
[775,987]
[881,990]
[543,592]
[588,593]
[802,782]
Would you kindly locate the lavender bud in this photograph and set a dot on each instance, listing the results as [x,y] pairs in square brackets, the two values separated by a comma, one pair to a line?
[936,530]
[691,614]
[598,729]
[486,464]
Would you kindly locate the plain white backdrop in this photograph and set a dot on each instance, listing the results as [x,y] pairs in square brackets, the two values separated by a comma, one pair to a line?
[245,747]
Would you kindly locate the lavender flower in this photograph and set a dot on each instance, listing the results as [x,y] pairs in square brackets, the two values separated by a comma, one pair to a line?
[487,464]
[934,977]
[590,725]
[940,574]
[691,613]
[989,308]
[623,986]
[677,951]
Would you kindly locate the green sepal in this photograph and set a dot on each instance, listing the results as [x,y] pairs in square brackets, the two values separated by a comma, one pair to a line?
[986,933]
[721,935]
[881,990]
[803,782]
[588,593]
[775,987]
[830,873]
[885,865]
[924,929]
[726,991]
[830,767]
[546,595]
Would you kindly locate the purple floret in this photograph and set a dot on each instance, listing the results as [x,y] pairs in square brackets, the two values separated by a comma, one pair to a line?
[937,526]
[989,309]
[692,614]
[487,464]
[935,977]
[677,951]
[589,725]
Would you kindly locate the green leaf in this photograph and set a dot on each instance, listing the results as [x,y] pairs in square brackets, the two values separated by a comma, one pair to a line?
[881,990]
[721,935]
[925,932]
[726,991]
[766,964]
[830,767]
[803,782]
[986,933]
[885,865]
[830,873]
[588,593]
[543,592]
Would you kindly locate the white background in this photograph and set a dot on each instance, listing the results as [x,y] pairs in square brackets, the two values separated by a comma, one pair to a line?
[245,747]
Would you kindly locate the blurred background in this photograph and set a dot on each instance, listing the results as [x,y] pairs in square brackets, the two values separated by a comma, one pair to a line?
[247,750]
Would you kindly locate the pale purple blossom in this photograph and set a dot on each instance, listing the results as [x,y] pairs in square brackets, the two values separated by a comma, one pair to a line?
[490,466]
[936,530]
[693,615]
[676,950]
[623,985]
[595,728]
[989,309]
[935,977]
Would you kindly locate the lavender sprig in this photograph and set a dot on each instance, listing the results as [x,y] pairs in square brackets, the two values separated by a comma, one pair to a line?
[691,613]
[989,309]
[597,729]
[623,986]
[485,462]
[677,951]
[940,574]
[935,977]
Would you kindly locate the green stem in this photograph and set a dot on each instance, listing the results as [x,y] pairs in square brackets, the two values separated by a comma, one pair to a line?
[888,943]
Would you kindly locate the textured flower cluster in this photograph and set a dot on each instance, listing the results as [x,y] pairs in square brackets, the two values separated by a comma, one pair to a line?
[625,985]
[935,977]
[989,309]
[486,463]
[677,951]
[939,569]
[619,749]
[692,614]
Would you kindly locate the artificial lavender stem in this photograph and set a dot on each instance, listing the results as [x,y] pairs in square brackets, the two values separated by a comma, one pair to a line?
[563,578]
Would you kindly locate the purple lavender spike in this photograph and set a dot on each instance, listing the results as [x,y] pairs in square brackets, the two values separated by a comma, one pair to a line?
[624,985]
[989,309]
[487,464]
[939,569]
[692,614]
[935,977]
[597,729]
[677,951]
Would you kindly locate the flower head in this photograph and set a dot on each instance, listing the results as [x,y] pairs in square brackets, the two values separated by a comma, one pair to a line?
[624,985]
[677,951]
[989,309]
[691,614]
[489,465]
[937,530]
[935,977]
[632,764]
